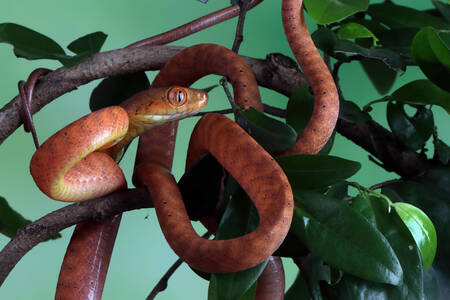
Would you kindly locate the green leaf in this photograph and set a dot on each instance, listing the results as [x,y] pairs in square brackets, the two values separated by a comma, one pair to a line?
[300,108]
[379,74]
[11,221]
[423,91]
[28,43]
[432,54]
[329,11]
[326,149]
[387,56]
[361,204]
[204,175]
[91,43]
[344,239]
[397,39]
[240,217]
[350,112]
[396,16]
[354,30]
[442,151]
[411,131]
[273,135]
[338,191]
[306,171]
[443,8]
[325,39]
[116,89]
[421,228]
[298,290]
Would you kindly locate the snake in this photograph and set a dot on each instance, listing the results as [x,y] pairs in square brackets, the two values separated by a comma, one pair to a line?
[232,150]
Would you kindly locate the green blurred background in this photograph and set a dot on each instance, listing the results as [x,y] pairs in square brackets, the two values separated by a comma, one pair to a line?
[141,255]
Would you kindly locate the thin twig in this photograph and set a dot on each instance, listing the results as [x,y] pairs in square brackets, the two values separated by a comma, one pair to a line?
[384,184]
[162,283]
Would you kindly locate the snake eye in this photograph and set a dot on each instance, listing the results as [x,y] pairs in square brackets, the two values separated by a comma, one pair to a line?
[177,96]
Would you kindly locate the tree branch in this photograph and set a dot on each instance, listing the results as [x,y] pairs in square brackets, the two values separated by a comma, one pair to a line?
[49,225]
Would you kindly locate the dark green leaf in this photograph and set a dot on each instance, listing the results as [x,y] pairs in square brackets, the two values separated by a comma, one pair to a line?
[200,187]
[329,145]
[28,43]
[325,39]
[355,30]
[439,177]
[273,135]
[319,272]
[298,290]
[379,74]
[300,108]
[343,238]
[432,54]
[240,217]
[361,204]
[421,228]
[397,39]
[423,91]
[411,131]
[91,43]
[338,191]
[350,112]
[387,56]
[306,171]
[329,11]
[401,16]
[443,8]
[114,90]
[11,221]
[430,285]
[442,151]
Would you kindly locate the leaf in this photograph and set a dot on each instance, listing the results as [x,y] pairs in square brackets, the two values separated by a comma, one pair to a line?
[344,239]
[354,30]
[325,39]
[443,8]
[116,89]
[326,149]
[432,54]
[306,171]
[411,131]
[338,191]
[401,16]
[204,175]
[28,43]
[361,204]
[300,108]
[387,56]
[271,134]
[329,11]
[240,217]
[422,91]
[11,221]
[441,151]
[350,112]
[90,43]
[298,290]
[397,39]
[421,228]
[381,76]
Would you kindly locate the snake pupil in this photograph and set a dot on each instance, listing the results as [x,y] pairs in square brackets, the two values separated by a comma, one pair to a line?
[180,96]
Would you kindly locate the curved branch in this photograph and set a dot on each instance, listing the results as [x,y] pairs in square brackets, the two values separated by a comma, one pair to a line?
[272,73]
[54,222]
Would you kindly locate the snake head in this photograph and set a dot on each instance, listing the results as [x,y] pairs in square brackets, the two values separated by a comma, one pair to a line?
[157,106]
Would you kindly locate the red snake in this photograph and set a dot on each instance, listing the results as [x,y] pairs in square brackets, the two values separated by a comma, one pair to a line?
[248,162]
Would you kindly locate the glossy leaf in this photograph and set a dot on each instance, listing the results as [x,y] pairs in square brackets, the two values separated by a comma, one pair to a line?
[397,39]
[300,108]
[381,76]
[325,39]
[273,135]
[344,239]
[91,43]
[329,11]
[412,131]
[350,112]
[116,89]
[354,30]
[204,175]
[28,43]
[396,16]
[298,290]
[306,171]
[423,91]
[421,228]
[361,204]
[432,54]
[240,217]
[338,191]
[387,56]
